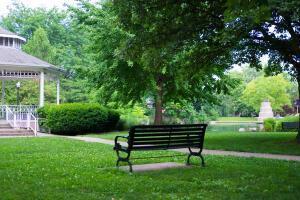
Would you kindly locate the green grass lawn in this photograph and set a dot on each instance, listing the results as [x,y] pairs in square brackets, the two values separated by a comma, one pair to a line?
[236,119]
[259,142]
[59,168]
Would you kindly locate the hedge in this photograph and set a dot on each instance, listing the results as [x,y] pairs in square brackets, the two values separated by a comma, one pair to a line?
[78,118]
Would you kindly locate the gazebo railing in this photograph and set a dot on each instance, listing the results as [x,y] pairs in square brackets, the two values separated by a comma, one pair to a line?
[22,108]
[22,117]
[10,117]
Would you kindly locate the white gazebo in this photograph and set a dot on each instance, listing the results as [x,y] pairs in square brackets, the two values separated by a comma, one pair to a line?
[16,64]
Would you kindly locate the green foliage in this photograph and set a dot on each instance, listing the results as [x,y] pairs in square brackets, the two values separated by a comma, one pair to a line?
[272,124]
[28,92]
[76,118]
[65,47]
[39,46]
[272,88]
[43,111]
[181,113]
[131,117]
[266,28]
[269,124]
[138,54]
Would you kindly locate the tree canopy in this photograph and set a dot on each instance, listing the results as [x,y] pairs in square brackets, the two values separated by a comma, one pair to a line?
[274,89]
[168,50]
[39,46]
[268,27]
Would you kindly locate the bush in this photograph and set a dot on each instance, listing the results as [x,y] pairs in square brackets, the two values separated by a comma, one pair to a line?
[131,117]
[269,124]
[78,118]
[278,126]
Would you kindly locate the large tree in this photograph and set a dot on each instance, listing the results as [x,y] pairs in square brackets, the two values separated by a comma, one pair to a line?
[165,49]
[267,27]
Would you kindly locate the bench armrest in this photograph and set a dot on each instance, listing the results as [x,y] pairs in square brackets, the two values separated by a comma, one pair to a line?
[116,139]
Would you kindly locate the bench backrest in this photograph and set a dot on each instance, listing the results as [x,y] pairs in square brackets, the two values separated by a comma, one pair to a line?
[290,125]
[166,136]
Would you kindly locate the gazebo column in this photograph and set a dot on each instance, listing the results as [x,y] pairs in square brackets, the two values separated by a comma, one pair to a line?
[57,91]
[42,84]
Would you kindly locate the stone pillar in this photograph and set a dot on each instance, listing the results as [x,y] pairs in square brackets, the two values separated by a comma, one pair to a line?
[42,84]
[57,91]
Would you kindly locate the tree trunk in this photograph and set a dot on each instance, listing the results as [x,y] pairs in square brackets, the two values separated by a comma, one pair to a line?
[298,81]
[158,119]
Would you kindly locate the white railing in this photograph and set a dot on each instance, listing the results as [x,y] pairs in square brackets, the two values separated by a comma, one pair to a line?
[10,117]
[32,123]
[21,108]
[22,117]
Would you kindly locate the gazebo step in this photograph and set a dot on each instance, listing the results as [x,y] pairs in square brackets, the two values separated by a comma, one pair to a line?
[5,126]
[15,132]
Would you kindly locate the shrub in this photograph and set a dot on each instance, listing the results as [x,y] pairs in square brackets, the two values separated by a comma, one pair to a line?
[132,116]
[78,118]
[269,124]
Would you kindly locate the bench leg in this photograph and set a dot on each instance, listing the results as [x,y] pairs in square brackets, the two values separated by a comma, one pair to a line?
[202,160]
[124,159]
[198,154]
[188,159]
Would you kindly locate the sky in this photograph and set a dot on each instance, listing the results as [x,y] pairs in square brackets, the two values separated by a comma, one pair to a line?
[4,4]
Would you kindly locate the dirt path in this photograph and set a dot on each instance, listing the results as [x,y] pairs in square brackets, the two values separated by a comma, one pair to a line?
[205,151]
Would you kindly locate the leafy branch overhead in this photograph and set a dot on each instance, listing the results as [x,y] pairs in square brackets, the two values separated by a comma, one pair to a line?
[171,51]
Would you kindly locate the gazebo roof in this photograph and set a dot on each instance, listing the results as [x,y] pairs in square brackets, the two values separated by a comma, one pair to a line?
[15,59]
[6,33]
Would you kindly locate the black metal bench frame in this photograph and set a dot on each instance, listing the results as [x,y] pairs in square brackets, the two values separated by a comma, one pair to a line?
[290,126]
[162,137]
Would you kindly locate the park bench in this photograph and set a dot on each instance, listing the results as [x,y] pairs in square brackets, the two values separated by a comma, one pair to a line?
[162,137]
[290,126]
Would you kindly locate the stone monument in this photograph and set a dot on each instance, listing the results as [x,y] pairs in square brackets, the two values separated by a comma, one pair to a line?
[265,111]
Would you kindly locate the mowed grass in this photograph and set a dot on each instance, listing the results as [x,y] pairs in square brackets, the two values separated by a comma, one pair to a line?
[258,142]
[59,168]
[237,119]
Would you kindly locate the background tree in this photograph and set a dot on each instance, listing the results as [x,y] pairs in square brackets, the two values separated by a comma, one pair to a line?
[267,28]
[39,46]
[171,51]
[66,41]
[275,89]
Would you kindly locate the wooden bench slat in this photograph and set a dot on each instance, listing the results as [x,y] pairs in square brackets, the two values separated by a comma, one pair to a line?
[167,133]
[166,142]
[160,134]
[170,126]
[166,130]
[165,146]
[163,134]
[167,138]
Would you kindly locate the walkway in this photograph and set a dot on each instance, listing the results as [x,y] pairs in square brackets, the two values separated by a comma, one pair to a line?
[205,151]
